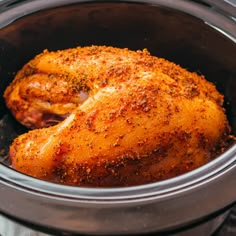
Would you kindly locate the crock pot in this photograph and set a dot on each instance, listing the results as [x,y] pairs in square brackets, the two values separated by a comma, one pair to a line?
[198,35]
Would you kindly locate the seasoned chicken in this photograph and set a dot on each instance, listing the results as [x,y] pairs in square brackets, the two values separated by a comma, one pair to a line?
[131,118]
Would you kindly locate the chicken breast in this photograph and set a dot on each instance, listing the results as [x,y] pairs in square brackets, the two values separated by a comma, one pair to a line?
[131,118]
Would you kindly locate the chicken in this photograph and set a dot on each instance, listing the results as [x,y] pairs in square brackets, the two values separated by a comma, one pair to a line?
[129,118]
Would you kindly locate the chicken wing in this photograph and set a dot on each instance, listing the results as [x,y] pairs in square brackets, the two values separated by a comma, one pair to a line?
[131,118]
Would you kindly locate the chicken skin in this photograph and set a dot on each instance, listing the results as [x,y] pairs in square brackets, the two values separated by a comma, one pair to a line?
[129,118]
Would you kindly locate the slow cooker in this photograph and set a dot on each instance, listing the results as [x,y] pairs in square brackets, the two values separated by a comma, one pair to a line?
[198,35]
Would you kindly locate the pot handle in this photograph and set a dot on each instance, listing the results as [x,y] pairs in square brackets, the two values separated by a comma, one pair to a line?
[226,6]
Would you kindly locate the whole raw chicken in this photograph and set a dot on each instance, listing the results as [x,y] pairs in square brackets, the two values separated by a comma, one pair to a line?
[129,118]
